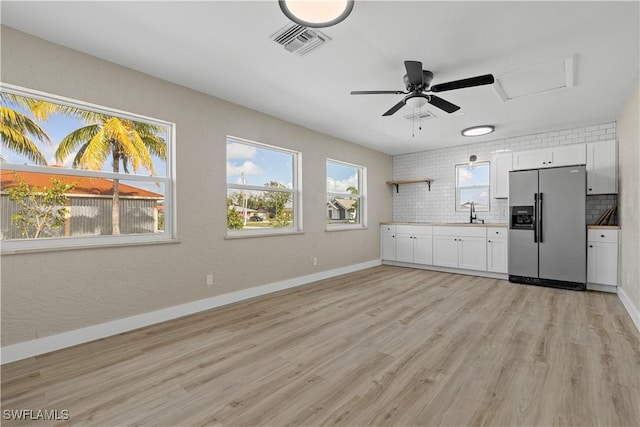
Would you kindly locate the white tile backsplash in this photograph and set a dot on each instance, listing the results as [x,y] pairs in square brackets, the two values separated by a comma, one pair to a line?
[415,203]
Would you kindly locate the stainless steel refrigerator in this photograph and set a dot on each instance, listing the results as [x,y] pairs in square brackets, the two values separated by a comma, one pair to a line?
[547,227]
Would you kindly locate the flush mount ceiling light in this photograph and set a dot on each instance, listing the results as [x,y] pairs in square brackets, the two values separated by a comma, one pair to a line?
[316,13]
[478,130]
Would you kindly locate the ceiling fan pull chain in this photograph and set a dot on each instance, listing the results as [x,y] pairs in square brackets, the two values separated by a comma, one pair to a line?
[413,124]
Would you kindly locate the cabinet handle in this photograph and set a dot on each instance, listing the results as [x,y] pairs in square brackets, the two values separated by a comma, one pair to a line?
[549,162]
[590,246]
[489,241]
[602,235]
[591,189]
[497,232]
[544,163]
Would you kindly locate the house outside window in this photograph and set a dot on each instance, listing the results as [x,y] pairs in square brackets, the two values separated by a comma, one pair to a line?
[346,195]
[263,194]
[78,174]
[472,186]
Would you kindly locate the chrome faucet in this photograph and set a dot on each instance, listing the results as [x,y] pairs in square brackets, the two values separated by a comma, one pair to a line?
[472,213]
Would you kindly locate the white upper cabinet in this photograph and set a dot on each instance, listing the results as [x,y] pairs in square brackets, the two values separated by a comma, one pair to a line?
[501,165]
[565,155]
[602,168]
[532,159]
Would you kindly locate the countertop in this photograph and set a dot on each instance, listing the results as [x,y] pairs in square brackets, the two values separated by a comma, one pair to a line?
[447,224]
[603,227]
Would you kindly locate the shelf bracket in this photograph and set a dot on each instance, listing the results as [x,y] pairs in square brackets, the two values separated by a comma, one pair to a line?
[397,187]
[429,184]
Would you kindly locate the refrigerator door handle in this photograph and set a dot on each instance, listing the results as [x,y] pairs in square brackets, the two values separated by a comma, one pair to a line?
[540,215]
[535,216]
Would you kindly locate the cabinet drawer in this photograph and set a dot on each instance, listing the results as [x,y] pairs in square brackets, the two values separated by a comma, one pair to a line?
[388,229]
[496,232]
[609,236]
[460,231]
[414,229]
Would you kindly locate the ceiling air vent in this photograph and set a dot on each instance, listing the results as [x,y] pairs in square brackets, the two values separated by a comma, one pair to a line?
[422,115]
[299,39]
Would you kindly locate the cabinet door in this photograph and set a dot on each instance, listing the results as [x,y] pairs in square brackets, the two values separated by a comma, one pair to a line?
[567,155]
[602,263]
[423,249]
[473,253]
[404,247]
[501,164]
[497,255]
[529,159]
[602,161]
[388,242]
[445,251]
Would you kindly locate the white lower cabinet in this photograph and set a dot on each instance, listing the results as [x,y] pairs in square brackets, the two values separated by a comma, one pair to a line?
[460,247]
[497,250]
[602,257]
[388,242]
[414,244]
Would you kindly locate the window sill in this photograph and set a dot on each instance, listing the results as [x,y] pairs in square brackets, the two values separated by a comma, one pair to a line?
[83,246]
[346,228]
[252,235]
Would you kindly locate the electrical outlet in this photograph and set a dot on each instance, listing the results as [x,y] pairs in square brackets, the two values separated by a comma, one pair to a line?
[209,279]
[315,260]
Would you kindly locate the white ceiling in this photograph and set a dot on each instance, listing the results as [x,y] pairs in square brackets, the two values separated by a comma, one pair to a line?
[224,49]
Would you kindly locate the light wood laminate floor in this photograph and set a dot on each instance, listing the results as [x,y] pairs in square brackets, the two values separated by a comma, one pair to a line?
[385,346]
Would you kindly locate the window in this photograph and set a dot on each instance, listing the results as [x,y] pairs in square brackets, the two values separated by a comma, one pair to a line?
[262,188]
[472,186]
[346,203]
[76,174]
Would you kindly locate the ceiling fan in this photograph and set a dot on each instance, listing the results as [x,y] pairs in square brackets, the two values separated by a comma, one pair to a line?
[418,83]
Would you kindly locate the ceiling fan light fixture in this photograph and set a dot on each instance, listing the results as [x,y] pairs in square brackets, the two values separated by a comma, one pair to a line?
[416,101]
[316,13]
[478,130]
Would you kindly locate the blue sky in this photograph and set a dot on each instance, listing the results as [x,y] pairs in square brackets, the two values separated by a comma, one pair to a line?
[57,127]
[261,165]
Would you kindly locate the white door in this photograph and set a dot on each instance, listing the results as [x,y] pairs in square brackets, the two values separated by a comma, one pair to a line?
[388,238]
[404,247]
[567,155]
[602,168]
[473,253]
[501,164]
[445,251]
[423,249]
[602,263]
[497,255]
[533,159]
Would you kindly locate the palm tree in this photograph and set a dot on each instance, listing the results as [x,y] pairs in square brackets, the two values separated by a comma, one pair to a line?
[17,129]
[126,143]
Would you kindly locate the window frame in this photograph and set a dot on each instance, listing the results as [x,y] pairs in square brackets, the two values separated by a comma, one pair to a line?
[295,191]
[362,196]
[100,241]
[458,188]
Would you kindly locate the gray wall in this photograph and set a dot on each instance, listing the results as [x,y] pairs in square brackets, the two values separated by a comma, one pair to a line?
[629,197]
[53,292]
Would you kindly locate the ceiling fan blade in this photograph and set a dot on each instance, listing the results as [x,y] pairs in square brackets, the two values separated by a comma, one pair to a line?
[395,108]
[442,104]
[377,92]
[486,79]
[414,72]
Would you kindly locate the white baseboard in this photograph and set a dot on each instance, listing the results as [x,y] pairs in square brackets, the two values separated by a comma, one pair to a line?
[602,288]
[26,349]
[488,274]
[630,306]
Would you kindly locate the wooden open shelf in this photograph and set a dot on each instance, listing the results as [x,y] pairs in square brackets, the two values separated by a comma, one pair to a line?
[397,182]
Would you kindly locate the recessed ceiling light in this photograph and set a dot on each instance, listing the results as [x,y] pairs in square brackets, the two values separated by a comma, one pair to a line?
[478,130]
[316,13]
